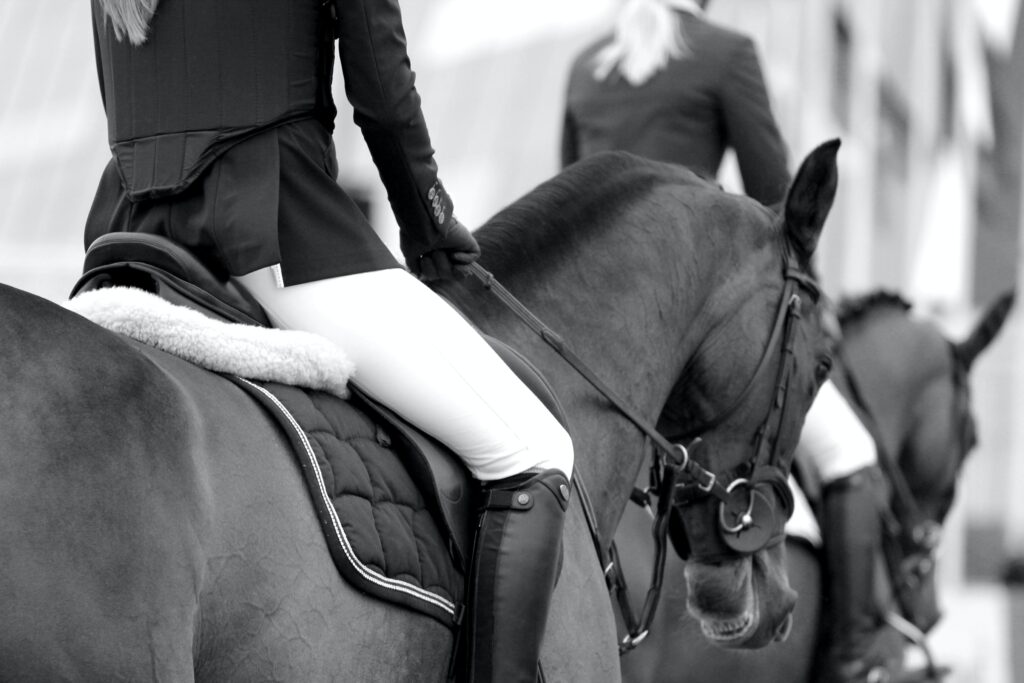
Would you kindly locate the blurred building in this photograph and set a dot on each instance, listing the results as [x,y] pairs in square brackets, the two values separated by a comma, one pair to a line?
[52,142]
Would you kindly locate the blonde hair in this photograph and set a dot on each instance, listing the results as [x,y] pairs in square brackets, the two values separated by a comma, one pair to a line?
[647,35]
[129,18]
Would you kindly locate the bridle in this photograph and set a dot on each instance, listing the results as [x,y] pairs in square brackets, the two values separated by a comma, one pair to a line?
[739,502]
[742,508]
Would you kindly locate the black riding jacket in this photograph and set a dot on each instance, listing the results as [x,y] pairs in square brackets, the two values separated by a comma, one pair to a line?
[220,131]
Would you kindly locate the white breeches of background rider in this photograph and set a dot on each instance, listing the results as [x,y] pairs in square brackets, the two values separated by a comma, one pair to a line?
[833,438]
[415,354]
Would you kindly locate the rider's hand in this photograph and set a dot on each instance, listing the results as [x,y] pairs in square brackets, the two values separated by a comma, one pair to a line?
[449,258]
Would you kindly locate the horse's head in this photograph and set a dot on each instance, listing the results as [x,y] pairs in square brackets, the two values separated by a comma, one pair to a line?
[745,393]
[942,431]
[913,384]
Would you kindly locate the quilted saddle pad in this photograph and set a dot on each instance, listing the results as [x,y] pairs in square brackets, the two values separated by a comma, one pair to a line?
[381,532]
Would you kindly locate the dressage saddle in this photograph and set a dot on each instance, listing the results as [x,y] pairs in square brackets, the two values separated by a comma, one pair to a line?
[158,265]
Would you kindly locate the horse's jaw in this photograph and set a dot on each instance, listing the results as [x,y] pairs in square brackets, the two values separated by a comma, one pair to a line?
[744,603]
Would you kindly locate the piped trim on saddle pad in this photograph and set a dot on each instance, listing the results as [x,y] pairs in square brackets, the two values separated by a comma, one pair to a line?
[380,534]
[290,357]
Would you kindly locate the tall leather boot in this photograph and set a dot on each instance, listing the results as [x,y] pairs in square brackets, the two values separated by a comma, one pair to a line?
[858,647]
[516,559]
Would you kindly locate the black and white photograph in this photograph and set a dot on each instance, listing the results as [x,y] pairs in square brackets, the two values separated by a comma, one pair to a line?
[477,341]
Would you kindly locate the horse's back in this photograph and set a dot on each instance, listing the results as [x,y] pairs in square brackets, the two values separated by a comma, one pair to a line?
[155,525]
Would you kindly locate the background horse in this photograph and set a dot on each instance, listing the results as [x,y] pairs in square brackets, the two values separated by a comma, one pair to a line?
[914,382]
[155,523]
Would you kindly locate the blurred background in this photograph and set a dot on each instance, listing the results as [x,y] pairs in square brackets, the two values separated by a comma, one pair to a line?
[926,95]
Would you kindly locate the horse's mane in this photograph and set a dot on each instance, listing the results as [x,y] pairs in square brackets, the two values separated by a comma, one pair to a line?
[852,309]
[575,206]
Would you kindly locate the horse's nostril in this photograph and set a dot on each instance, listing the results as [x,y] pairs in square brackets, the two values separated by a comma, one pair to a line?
[782,632]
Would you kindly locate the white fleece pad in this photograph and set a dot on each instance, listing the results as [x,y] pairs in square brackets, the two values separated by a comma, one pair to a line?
[290,357]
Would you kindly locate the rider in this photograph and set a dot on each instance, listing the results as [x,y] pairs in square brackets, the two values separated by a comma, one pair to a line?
[670,85]
[220,117]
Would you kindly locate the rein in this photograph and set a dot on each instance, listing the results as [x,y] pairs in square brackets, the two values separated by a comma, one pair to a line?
[676,463]
[677,453]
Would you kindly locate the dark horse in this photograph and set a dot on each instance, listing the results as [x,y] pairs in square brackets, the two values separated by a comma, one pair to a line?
[155,524]
[914,382]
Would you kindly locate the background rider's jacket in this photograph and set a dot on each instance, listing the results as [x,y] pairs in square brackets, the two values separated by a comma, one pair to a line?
[220,131]
[688,113]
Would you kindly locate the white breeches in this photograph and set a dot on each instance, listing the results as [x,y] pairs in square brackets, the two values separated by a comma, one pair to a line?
[833,437]
[417,355]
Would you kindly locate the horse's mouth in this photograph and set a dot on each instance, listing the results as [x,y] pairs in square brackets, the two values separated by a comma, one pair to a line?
[729,632]
[747,628]
[732,631]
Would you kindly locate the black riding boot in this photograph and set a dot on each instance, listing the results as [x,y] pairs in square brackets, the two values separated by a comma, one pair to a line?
[516,560]
[860,649]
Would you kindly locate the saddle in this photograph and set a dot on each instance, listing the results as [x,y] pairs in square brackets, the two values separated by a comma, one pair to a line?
[163,268]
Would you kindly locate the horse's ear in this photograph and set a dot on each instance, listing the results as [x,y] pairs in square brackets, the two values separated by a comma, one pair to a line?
[810,197]
[986,329]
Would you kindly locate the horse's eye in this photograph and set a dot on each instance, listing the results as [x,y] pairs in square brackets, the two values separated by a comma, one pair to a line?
[824,367]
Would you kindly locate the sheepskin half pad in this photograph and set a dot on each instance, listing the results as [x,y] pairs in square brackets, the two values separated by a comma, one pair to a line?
[288,356]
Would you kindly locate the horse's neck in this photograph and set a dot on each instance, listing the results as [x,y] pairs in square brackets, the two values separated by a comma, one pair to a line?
[894,361]
[632,335]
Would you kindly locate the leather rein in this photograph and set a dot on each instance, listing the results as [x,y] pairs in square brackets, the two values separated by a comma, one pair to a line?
[675,471]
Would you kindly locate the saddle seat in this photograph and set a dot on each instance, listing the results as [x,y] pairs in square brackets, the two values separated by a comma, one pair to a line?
[157,265]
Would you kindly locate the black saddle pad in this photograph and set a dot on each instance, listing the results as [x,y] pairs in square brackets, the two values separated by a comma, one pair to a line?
[382,534]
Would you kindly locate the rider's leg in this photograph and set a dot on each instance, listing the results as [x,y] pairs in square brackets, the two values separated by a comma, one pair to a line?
[418,356]
[844,452]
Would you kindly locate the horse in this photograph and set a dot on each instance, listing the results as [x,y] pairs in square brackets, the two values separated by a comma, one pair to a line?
[155,524]
[913,383]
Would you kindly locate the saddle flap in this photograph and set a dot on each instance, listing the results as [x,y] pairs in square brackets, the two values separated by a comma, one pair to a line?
[529,375]
[441,476]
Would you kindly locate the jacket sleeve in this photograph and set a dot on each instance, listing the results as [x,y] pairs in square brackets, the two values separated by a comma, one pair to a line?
[380,85]
[751,129]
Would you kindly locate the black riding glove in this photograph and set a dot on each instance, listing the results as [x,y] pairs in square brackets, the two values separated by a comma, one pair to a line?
[447,259]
